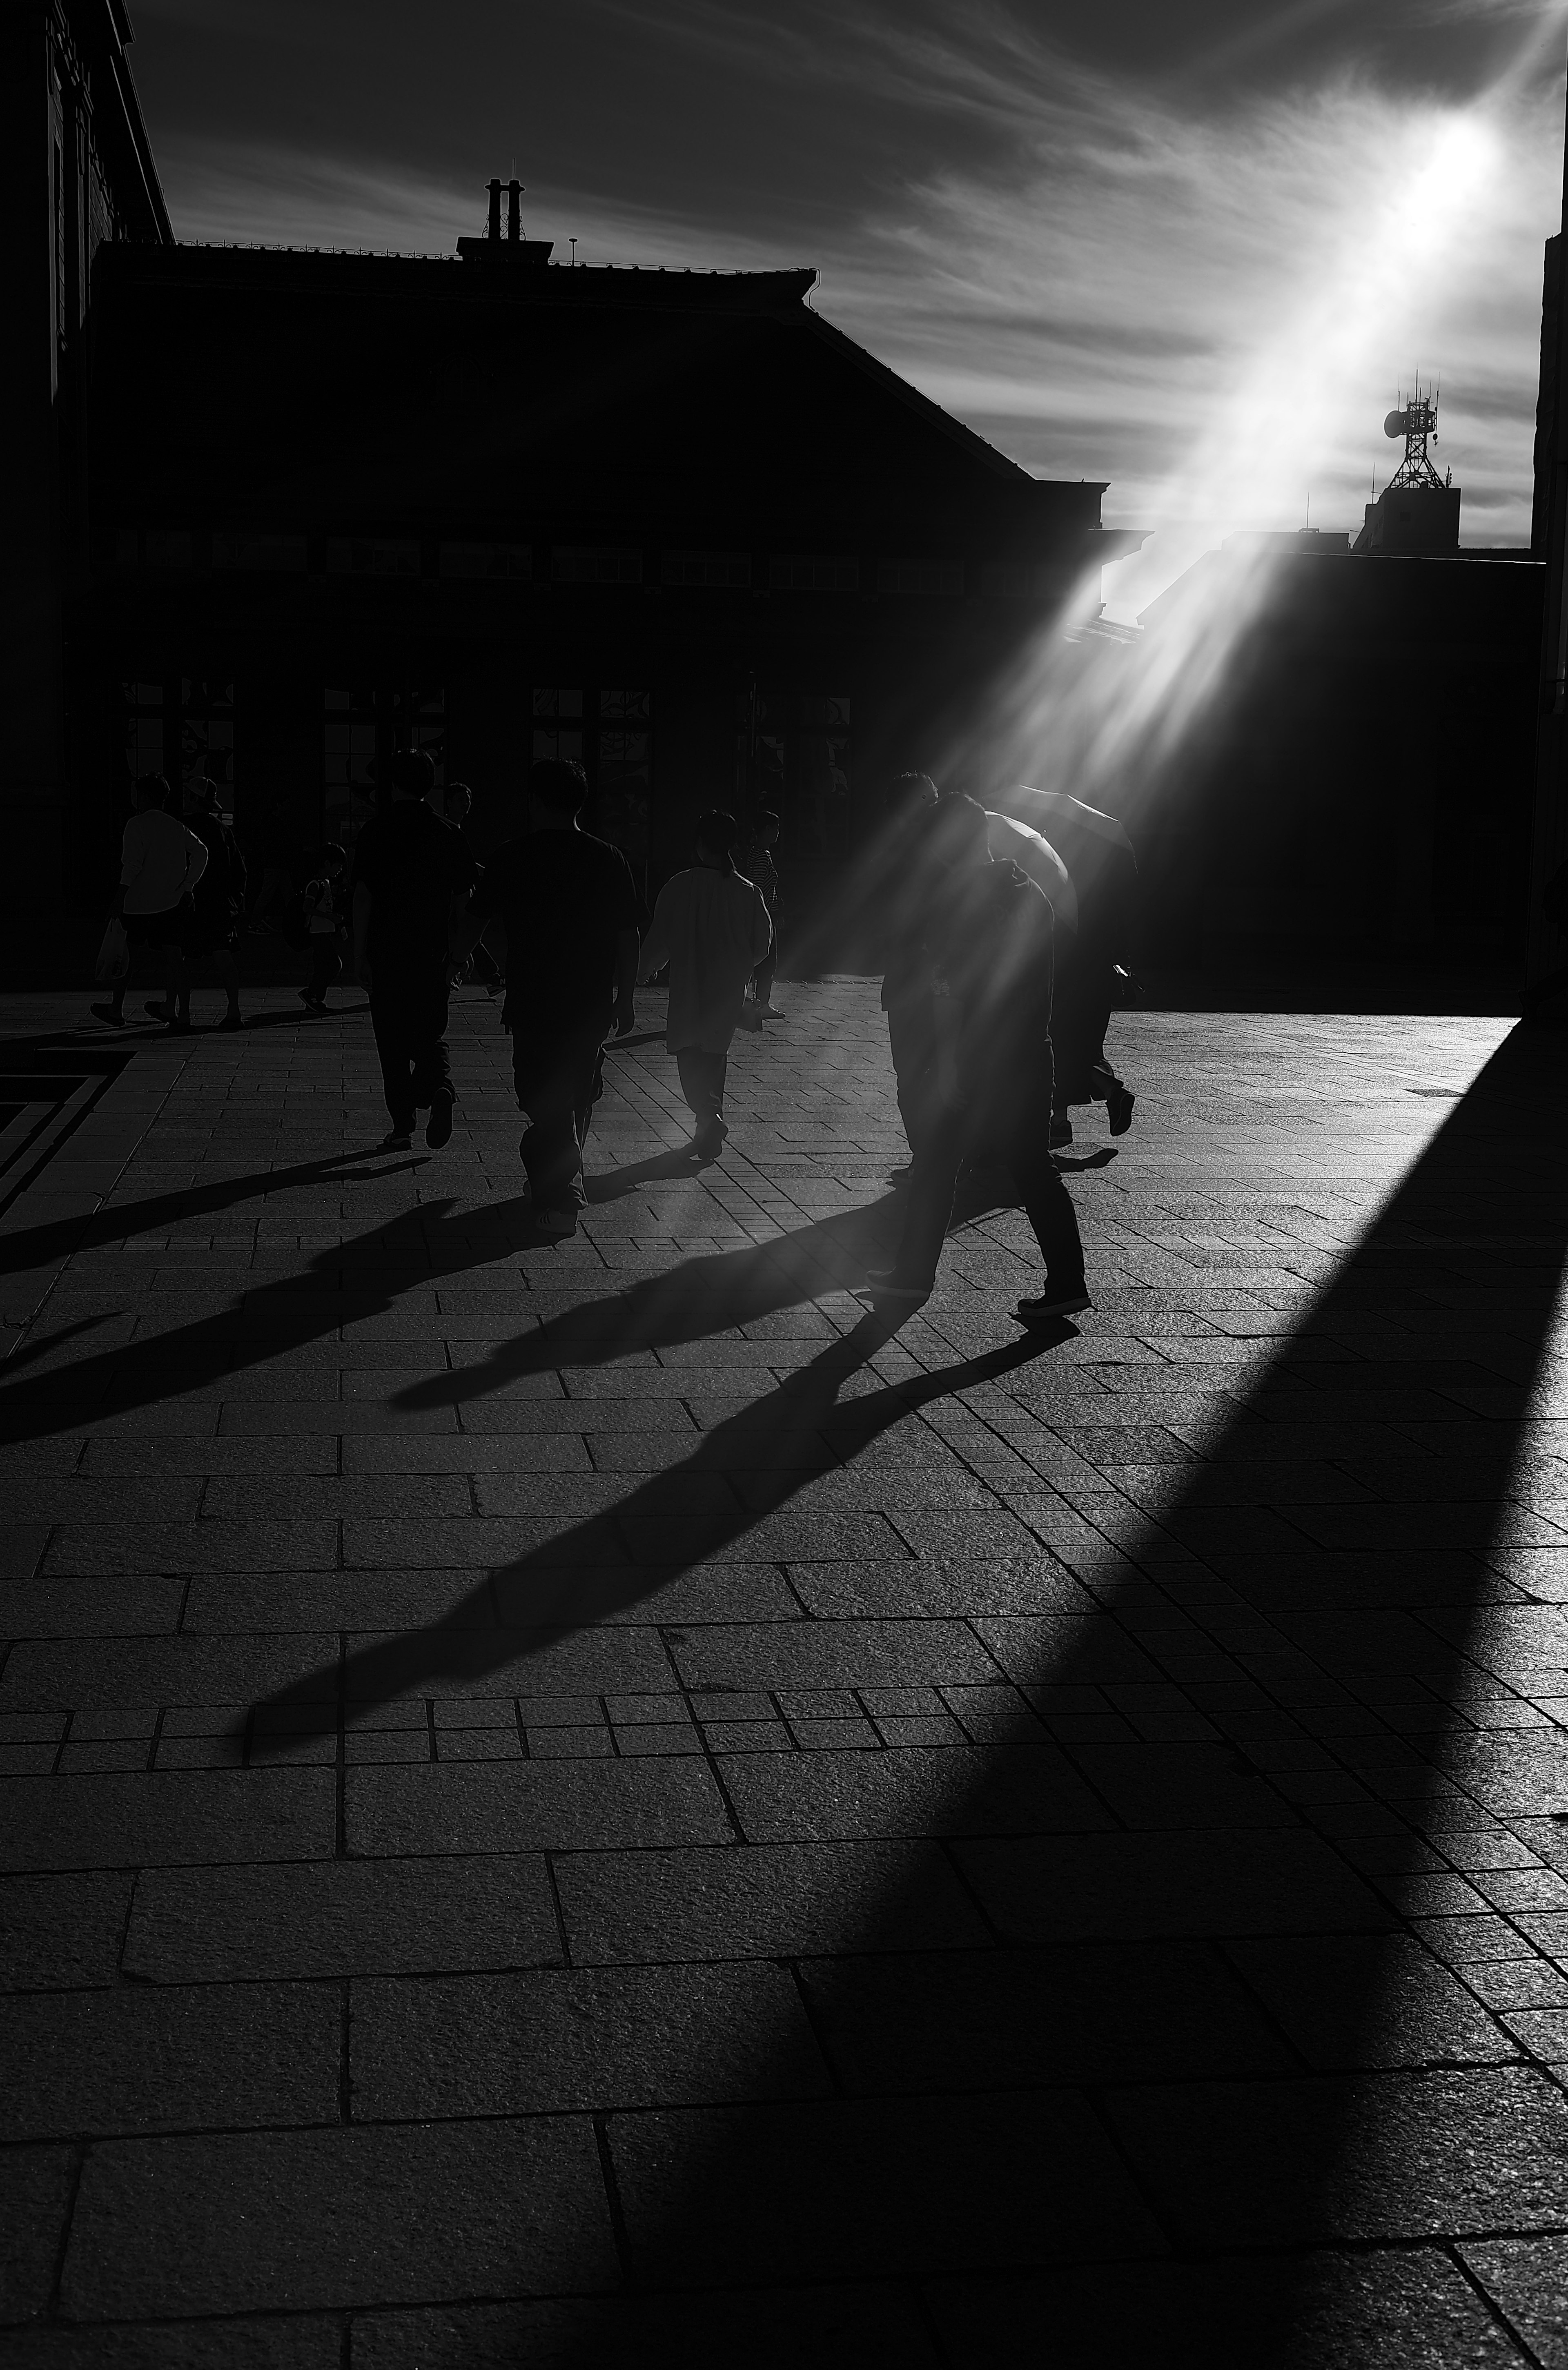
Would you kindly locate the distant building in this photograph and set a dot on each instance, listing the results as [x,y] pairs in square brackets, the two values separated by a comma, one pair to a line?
[293,509]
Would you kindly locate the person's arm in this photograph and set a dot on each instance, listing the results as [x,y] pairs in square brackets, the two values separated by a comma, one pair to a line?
[362,932]
[656,945]
[627,946]
[130,862]
[762,928]
[195,862]
[464,932]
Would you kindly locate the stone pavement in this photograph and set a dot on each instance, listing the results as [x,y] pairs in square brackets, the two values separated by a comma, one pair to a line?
[577,1805]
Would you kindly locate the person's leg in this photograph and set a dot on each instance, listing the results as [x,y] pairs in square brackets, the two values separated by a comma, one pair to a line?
[701,1076]
[389,1024]
[909,1043]
[929,1204]
[227,969]
[1047,1204]
[547,1071]
[762,976]
[177,984]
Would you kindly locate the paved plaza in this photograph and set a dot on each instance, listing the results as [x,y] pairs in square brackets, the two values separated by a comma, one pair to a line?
[588,1803]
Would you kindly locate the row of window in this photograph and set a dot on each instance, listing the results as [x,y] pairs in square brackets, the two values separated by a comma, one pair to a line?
[398,555]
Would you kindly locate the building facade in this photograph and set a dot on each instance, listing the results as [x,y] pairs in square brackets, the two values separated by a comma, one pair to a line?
[313,506]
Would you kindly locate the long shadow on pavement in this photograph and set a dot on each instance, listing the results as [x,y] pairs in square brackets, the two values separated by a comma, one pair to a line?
[1158,2057]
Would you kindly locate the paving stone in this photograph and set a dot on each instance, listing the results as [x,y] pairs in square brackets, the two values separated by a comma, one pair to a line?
[1528,2279]
[268,2220]
[334,1917]
[165,2059]
[1385,2156]
[177,1820]
[770,2329]
[533,1806]
[313,2342]
[954,1790]
[58,1933]
[596,2038]
[858,2190]
[771,1900]
[1368,2000]
[34,2198]
[1059,1887]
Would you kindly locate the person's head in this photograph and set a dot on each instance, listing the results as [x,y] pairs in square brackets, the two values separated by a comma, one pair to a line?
[457,800]
[767,830]
[909,793]
[152,791]
[413,775]
[202,796]
[716,837]
[330,860]
[558,792]
[955,837]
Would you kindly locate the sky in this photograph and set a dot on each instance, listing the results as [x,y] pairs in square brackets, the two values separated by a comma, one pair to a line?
[1194,248]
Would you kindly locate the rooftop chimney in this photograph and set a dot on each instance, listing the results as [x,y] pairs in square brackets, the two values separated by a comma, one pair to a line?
[494,230]
[513,211]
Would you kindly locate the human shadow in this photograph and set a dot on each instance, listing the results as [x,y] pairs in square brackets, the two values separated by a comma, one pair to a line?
[364,1277]
[1166,2046]
[709,1295]
[611,1184]
[599,1569]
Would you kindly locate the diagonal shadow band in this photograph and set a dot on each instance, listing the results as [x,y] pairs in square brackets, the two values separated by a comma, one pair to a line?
[1149,2056]
[595,1570]
[703,1296]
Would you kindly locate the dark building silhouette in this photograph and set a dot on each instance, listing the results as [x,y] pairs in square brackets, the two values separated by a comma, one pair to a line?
[79,180]
[672,523]
[1362,787]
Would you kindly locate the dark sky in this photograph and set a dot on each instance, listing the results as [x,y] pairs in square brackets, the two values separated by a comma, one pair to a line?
[1085,228]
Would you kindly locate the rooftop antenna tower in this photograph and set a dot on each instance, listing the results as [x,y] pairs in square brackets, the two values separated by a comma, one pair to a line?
[1416,421]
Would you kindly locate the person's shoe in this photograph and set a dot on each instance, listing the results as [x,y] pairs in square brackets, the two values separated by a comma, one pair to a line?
[1061,1132]
[232,1020]
[107,1012]
[1054,1302]
[768,1012]
[886,1283]
[438,1130]
[1119,1105]
[557,1221]
[709,1142]
[899,1177]
[397,1139]
[156,1008]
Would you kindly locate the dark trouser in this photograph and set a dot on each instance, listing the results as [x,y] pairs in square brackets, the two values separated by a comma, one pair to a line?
[408,1017]
[326,963]
[1021,1138]
[702,1077]
[767,970]
[558,1072]
[911,1041]
[1080,1015]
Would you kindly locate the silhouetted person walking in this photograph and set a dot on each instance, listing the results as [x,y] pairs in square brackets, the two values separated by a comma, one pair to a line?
[411,885]
[568,910]
[218,900]
[324,926]
[763,869]
[986,937]
[710,926]
[906,975]
[1103,870]
[160,865]
[457,805]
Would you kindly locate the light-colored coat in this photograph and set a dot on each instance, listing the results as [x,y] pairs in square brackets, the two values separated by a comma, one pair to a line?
[712,929]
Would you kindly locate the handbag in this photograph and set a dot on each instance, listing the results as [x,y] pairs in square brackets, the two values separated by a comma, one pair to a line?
[114,954]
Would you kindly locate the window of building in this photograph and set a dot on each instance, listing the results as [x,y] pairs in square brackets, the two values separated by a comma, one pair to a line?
[794,753]
[260,554]
[622,775]
[206,733]
[920,576]
[363,725]
[144,728]
[577,564]
[372,554]
[558,724]
[167,548]
[730,570]
[1016,580]
[813,572]
[514,560]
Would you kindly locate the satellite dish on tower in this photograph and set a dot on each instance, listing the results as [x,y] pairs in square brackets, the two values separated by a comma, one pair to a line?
[1397,423]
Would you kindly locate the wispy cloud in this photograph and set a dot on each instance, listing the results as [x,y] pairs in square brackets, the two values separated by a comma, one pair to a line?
[1208,298]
